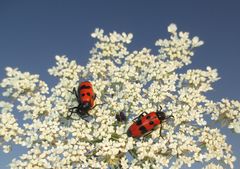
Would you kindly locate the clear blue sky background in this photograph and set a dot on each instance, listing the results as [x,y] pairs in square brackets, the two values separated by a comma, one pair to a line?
[33,32]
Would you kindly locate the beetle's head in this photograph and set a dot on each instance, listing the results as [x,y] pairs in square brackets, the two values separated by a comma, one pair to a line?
[161,115]
[86,106]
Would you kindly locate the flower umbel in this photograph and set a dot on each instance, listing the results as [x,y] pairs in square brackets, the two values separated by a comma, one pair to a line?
[128,82]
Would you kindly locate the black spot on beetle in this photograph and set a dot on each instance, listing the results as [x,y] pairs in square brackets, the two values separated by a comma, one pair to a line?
[151,122]
[143,129]
[85,87]
[139,122]
[148,117]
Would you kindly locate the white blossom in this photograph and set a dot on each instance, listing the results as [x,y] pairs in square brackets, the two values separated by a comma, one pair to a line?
[124,81]
[213,166]
[172,28]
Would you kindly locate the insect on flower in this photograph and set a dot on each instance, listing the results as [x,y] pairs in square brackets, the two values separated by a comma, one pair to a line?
[121,117]
[85,97]
[145,123]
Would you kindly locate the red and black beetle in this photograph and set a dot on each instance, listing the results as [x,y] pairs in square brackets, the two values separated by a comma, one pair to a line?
[85,97]
[145,123]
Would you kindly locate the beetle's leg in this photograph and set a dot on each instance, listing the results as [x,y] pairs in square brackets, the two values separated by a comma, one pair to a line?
[69,116]
[74,91]
[141,115]
[171,116]
[134,120]
[148,133]
[83,116]
[144,113]
[97,105]
[77,95]
[161,130]
[159,108]
[74,110]
[138,117]
[71,110]
[71,91]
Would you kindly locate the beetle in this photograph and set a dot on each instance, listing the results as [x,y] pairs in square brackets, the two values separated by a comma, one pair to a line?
[85,97]
[145,123]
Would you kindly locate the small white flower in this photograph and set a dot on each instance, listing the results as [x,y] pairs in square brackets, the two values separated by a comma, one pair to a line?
[196,42]
[236,126]
[98,33]
[6,148]
[172,28]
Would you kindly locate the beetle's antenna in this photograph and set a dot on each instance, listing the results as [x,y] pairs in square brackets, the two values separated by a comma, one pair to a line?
[171,116]
[159,107]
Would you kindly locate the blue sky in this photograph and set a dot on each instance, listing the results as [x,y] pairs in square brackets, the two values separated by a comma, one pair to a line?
[33,32]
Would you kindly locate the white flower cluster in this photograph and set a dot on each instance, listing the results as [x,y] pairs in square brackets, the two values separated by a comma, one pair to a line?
[199,79]
[216,146]
[28,90]
[112,46]
[9,129]
[124,81]
[226,112]
[179,47]
[213,166]
[18,84]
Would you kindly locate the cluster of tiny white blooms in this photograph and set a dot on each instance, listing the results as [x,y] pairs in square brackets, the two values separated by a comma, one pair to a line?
[65,69]
[18,84]
[35,158]
[229,110]
[188,105]
[9,129]
[226,112]
[112,46]
[216,146]
[179,47]
[199,79]
[124,81]
[152,152]
[213,166]
[113,37]
[185,147]
[28,90]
